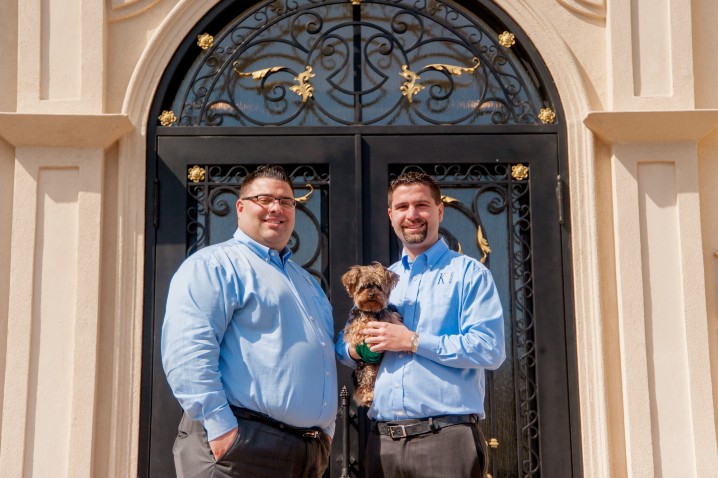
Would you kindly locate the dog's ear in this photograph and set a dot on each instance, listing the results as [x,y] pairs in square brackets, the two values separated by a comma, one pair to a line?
[390,278]
[393,278]
[350,279]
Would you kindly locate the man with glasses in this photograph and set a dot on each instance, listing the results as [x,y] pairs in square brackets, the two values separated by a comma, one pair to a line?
[247,346]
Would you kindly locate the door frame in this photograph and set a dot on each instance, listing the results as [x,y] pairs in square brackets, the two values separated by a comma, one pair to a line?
[357,132]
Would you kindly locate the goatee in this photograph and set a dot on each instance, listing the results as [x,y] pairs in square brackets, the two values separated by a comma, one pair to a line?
[415,237]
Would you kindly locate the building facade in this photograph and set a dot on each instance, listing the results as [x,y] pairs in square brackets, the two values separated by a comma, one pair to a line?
[620,249]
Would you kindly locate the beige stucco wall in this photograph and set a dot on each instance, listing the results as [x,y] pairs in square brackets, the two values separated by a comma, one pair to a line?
[636,82]
[705,44]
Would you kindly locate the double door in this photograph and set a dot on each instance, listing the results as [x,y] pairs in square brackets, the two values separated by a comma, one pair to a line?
[503,206]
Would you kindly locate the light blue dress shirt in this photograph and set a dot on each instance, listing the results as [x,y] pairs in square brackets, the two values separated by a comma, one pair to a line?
[451,301]
[246,326]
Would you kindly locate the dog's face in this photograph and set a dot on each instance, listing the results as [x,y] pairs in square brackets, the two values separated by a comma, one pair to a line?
[370,286]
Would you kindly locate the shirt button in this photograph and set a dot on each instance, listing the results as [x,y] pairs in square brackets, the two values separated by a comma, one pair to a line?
[411,302]
[327,374]
[323,344]
[266,259]
[311,318]
[401,414]
[401,355]
[325,404]
[396,385]
[416,278]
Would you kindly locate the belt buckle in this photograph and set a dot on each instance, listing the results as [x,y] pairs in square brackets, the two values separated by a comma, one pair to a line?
[313,434]
[394,434]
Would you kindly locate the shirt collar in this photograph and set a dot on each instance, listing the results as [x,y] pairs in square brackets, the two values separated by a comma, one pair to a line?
[432,255]
[263,252]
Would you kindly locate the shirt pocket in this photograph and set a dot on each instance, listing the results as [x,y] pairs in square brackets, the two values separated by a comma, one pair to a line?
[440,313]
[444,296]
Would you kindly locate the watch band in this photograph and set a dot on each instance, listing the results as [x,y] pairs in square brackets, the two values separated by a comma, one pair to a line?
[414,343]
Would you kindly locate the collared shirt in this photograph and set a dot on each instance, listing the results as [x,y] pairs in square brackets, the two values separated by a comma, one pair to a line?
[451,301]
[248,327]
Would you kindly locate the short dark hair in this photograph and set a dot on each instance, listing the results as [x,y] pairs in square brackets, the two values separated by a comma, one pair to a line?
[271,171]
[411,178]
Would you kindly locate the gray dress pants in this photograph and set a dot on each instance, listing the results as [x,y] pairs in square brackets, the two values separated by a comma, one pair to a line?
[259,451]
[458,451]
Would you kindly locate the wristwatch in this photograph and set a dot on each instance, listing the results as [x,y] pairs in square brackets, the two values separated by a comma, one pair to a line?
[414,343]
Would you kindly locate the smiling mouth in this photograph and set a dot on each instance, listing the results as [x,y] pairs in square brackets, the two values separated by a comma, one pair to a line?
[414,227]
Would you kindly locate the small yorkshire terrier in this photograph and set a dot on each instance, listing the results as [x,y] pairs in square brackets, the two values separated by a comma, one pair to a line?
[369,287]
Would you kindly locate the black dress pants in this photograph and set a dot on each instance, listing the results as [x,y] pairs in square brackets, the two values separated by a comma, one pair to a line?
[259,451]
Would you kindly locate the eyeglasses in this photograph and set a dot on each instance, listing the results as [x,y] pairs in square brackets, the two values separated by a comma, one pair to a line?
[265,200]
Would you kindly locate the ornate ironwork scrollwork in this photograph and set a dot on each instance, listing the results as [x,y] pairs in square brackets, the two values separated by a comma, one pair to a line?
[481,241]
[522,311]
[354,55]
[303,88]
[410,87]
[453,69]
[305,198]
[213,190]
[258,74]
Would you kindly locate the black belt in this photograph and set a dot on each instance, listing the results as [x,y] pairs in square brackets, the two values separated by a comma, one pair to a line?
[408,428]
[312,433]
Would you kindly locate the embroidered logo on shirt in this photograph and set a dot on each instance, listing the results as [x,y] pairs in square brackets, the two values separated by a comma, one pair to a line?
[445,278]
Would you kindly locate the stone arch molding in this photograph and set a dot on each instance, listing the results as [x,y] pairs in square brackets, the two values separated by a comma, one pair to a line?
[118,10]
[574,94]
[595,9]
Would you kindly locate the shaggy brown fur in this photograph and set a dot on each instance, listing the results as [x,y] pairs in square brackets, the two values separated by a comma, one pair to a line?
[369,287]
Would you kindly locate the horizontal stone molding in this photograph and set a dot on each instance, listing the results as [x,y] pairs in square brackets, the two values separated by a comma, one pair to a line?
[651,126]
[77,131]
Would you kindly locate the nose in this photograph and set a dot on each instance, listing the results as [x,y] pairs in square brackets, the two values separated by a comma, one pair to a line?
[275,206]
[412,212]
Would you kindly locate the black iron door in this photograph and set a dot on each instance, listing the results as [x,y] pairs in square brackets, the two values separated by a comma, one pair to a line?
[193,205]
[501,207]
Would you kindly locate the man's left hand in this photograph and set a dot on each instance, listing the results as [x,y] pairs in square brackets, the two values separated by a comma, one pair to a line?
[383,336]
